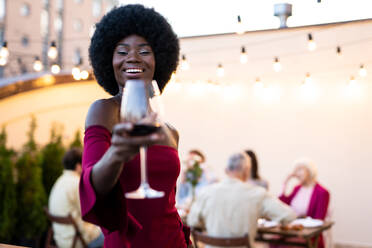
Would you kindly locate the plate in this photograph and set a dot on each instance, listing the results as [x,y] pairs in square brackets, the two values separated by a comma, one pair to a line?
[307,222]
[267,223]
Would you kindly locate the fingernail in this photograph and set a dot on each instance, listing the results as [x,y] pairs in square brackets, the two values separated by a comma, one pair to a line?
[154,137]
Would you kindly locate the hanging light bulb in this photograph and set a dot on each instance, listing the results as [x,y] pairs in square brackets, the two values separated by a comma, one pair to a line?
[307,79]
[352,81]
[52,51]
[362,71]
[84,74]
[243,56]
[277,66]
[258,85]
[239,28]
[220,70]
[76,72]
[338,51]
[3,61]
[4,52]
[311,45]
[55,69]
[38,66]
[184,64]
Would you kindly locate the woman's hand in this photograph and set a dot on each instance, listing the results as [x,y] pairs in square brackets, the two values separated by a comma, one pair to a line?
[124,147]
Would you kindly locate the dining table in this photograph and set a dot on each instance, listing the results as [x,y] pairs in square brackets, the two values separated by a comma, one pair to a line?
[305,237]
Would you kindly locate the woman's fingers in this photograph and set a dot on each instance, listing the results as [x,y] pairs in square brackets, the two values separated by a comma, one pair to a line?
[122,128]
[120,140]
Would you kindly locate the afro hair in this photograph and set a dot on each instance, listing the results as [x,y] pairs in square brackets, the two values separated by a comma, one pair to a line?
[123,21]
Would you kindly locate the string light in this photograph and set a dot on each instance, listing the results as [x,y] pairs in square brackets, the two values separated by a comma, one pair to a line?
[308,79]
[3,61]
[239,28]
[52,51]
[4,52]
[338,51]
[311,45]
[55,69]
[243,56]
[258,85]
[184,64]
[352,81]
[84,74]
[277,66]
[362,71]
[38,66]
[220,70]
[76,72]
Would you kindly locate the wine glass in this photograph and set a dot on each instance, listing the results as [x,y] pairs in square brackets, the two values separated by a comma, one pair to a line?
[138,106]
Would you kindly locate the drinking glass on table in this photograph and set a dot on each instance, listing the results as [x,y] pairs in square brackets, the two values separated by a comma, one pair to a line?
[141,106]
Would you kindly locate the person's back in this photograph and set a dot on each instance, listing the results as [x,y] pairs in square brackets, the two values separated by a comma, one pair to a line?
[64,200]
[232,207]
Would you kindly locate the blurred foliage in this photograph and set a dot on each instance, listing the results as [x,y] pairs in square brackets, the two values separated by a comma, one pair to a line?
[8,199]
[194,173]
[51,157]
[77,140]
[27,177]
[31,197]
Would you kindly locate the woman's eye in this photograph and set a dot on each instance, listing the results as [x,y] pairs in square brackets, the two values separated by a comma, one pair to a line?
[122,52]
[144,52]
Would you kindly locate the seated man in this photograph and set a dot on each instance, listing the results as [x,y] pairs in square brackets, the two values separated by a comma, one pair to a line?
[232,207]
[64,200]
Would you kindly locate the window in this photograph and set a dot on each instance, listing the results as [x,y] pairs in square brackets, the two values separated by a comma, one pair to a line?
[44,22]
[2,10]
[25,9]
[96,8]
[77,57]
[25,41]
[59,4]
[58,24]
[78,25]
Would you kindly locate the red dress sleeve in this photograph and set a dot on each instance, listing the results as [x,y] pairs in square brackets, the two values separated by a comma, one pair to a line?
[109,212]
[288,199]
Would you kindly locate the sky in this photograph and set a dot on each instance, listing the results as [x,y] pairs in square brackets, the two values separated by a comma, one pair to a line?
[202,17]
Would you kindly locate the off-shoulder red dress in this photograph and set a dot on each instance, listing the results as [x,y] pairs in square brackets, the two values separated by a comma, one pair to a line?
[131,223]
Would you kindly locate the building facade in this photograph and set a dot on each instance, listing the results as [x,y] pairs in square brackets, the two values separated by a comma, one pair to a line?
[29,27]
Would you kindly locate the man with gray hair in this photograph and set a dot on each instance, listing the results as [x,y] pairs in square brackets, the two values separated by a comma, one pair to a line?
[232,207]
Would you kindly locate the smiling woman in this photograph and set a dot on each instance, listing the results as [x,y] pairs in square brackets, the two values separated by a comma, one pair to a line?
[133,59]
[130,42]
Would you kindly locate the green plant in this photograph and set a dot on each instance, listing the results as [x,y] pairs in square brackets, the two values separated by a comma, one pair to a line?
[77,140]
[7,191]
[193,173]
[31,197]
[51,158]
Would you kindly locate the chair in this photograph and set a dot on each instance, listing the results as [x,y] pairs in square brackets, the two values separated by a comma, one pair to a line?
[67,220]
[219,241]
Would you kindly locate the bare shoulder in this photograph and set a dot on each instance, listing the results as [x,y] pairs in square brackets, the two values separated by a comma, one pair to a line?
[174,132]
[103,112]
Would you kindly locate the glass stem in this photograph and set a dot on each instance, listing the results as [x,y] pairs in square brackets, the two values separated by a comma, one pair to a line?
[143,161]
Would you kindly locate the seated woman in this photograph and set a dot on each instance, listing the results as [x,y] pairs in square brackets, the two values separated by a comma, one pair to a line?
[255,176]
[308,198]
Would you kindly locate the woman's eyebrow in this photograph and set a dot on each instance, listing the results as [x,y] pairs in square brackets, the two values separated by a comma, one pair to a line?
[139,45]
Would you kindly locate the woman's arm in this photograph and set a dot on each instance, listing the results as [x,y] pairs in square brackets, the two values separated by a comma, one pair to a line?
[106,172]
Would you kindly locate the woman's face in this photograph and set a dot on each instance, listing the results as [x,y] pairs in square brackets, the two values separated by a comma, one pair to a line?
[133,59]
[302,174]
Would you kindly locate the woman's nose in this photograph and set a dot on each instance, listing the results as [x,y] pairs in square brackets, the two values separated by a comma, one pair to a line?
[133,57]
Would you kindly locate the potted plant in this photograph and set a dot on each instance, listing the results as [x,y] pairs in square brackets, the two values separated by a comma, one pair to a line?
[7,191]
[51,158]
[31,197]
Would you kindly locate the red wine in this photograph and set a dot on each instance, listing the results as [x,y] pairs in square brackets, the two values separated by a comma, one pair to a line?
[143,129]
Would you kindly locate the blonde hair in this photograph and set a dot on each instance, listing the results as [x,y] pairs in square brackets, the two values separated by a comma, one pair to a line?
[309,165]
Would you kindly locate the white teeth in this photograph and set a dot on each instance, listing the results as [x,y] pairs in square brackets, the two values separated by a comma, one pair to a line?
[134,70]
